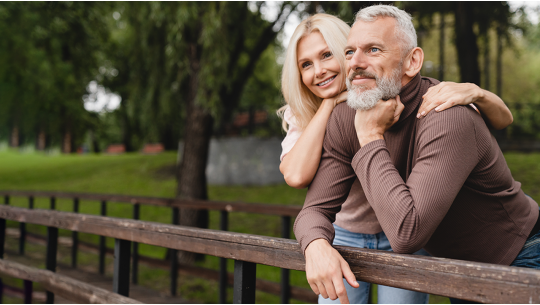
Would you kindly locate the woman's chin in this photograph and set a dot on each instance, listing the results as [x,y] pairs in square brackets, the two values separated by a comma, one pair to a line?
[328,93]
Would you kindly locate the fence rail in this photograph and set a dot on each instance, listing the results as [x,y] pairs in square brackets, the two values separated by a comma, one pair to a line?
[64,286]
[480,282]
[286,212]
[280,210]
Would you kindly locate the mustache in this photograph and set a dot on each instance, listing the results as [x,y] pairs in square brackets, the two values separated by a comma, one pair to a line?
[363,73]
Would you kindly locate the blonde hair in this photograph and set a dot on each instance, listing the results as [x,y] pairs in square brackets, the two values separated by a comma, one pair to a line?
[302,102]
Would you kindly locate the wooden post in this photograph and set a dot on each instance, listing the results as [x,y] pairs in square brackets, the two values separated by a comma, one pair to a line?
[75,237]
[174,255]
[2,243]
[27,292]
[285,282]
[6,199]
[122,255]
[52,247]
[22,228]
[244,282]
[53,203]
[224,226]
[102,241]
[135,255]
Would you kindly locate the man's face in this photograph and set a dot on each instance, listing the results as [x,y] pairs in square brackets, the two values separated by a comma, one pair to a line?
[374,59]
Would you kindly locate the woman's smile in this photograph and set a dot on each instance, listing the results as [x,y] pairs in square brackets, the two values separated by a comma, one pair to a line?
[327,82]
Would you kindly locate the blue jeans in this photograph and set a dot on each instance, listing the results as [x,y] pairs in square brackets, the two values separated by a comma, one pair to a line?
[529,257]
[385,294]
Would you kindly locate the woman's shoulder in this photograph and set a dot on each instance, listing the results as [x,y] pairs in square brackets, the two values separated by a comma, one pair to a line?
[289,117]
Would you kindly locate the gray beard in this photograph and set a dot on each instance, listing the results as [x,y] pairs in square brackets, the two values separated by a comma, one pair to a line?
[360,98]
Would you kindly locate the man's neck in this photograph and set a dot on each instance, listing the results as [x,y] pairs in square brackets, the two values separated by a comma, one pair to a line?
[405,80]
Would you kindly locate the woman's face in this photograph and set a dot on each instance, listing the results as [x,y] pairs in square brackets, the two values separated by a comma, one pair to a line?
[319,68]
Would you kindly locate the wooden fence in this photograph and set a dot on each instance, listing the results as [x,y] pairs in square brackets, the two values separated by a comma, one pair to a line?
[285,212]
[466,280]
[486,283]
[69,288]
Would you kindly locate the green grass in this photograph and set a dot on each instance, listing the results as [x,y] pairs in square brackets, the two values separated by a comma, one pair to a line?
[151,175]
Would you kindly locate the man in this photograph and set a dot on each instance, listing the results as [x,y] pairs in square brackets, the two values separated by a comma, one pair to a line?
[439,183]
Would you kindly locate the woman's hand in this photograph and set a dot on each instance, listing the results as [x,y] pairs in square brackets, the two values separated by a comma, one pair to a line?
[336,100]
[373,123]
[448,94]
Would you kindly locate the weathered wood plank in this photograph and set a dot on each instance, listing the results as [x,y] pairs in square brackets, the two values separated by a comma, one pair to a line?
[454,278]
[282,210]
[64,286]
[302,294]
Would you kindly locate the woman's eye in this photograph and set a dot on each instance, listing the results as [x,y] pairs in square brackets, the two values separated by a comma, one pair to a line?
[327,54]
[305,65]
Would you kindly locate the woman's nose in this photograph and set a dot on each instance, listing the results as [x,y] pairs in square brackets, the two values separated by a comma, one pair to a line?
[320,71]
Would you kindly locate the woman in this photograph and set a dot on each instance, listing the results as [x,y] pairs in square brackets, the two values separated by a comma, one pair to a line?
[313,83]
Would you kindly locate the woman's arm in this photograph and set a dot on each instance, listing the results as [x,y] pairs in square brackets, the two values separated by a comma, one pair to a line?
[301,163]
[448,94]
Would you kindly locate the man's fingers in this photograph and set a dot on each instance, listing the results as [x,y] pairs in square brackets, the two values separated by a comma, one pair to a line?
[348,274]
[314,288]
[341,291]
[330,289]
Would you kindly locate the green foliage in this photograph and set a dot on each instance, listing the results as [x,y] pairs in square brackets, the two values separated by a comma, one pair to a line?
[48,55]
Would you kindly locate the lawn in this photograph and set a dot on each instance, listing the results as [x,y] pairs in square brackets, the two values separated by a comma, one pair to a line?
[152,175]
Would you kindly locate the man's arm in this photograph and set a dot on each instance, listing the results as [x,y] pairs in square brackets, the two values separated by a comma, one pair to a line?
[325,268]
[410,212]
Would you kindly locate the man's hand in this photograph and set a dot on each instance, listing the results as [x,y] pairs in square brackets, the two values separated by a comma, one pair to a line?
[325,269]
[372,124]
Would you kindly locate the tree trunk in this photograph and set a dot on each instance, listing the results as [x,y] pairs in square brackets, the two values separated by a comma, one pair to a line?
[499,62]
[466,44]
[441,48]
[66,142]
[41,140]
[487,60]
[192,170]
[126,128]
[14,142]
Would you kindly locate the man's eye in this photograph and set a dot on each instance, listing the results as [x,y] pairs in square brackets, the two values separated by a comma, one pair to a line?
[349,52]
[373,50]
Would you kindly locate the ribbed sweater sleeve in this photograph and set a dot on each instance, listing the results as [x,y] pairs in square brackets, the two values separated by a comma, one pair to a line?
[409,212]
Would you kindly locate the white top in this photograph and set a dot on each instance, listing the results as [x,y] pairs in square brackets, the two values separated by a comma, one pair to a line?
[293,134]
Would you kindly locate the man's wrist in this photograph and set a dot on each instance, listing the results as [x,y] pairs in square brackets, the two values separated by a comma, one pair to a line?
[316,243]
[364,139]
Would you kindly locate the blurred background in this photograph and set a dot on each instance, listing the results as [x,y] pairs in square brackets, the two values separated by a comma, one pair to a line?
[178,99]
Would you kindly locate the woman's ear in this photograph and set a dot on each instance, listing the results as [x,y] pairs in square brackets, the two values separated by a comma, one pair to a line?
[413,62]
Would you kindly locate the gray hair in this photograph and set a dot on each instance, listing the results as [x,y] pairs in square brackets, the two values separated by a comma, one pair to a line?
[405,30]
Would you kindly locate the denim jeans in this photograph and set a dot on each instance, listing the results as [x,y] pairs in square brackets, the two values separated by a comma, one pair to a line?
[385,294]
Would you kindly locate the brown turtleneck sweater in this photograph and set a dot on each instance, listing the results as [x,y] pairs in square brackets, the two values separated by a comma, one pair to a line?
[439,183]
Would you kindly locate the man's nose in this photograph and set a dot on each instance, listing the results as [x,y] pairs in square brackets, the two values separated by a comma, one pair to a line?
[358,61]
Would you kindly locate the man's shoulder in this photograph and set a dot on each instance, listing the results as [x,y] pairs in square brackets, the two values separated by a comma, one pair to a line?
[458,119]
[428,82]
[342,115]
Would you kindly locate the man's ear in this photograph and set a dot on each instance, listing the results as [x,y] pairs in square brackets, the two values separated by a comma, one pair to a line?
[413,62]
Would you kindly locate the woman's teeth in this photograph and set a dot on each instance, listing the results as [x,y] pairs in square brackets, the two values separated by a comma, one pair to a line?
[326,81]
